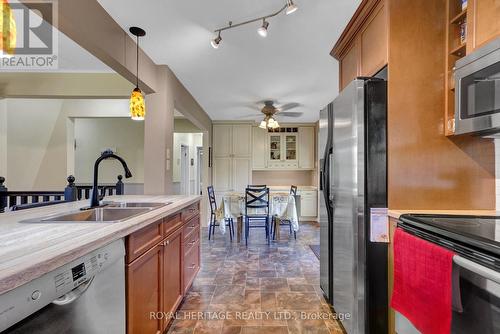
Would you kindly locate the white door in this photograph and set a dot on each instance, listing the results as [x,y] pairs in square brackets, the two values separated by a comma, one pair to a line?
[185,170]
[222,174]
[222,140]
[198,186]
[242,141]
[242,174]
[259,148]
[306,147]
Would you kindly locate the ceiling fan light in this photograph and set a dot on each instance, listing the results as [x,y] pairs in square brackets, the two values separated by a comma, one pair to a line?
[263,29]
[291,7]
[263,125]
[216,42]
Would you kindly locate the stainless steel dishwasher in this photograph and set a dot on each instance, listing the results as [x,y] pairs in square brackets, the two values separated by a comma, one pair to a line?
[86,296]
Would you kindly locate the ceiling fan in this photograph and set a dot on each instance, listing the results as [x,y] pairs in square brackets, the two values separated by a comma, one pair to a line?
[270,111]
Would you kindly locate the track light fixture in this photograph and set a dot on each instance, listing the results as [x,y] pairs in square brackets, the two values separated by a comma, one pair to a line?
[288,8]
[263,29]
[216,41]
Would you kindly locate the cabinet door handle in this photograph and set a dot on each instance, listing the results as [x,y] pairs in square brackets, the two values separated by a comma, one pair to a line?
[192,242]
[192,266]
[165,243]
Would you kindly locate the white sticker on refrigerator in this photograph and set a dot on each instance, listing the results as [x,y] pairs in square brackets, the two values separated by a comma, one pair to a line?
[379,225]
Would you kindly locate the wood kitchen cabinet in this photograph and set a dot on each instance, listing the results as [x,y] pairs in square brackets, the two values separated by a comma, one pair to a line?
[173,289]
[232,156]
[163,259]
[145,291]
[307,147]
[259,148]
[362,49]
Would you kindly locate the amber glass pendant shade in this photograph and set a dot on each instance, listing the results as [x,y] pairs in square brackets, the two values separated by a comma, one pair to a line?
[7,30]
[137,105]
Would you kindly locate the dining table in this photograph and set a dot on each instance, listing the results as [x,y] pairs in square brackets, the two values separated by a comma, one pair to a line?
[282,206]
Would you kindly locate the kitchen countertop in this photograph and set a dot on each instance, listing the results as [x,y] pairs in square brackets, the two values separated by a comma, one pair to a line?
[29,250]
[397,213]
[299,188]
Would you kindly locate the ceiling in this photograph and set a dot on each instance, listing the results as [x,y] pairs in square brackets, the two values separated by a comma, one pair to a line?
[291,65]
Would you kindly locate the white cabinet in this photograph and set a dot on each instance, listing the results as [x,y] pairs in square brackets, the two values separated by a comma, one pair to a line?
[306,148]
[308,203]
[232,146]
[291,150]
[259,149]
[282,151]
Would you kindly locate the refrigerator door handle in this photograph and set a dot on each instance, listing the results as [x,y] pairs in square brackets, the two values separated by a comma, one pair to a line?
[331,196]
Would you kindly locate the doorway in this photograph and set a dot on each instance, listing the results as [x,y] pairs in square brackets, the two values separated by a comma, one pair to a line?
[184,170]
[199,171]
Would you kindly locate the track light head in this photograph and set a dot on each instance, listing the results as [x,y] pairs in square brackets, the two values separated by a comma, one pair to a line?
[216,41]
[263,29]
[290,7]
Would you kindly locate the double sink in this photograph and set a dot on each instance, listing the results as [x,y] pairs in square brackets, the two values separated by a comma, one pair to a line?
[113,212]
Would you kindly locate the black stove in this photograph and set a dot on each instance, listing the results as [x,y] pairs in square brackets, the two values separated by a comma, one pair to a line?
[474,237]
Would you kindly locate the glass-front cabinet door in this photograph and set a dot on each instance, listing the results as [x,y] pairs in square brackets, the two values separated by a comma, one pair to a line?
[275,147]
[290,147]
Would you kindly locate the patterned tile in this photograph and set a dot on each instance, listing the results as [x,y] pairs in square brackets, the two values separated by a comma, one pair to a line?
[257,289]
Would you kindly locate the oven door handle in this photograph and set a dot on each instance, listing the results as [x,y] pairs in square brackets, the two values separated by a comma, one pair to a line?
[477,268]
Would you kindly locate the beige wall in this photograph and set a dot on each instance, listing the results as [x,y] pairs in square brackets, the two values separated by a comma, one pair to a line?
[123,135]
[37,139]
[284,178]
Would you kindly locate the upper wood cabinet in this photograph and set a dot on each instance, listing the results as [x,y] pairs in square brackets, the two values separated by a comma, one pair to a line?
[373,43]
[484,23]
[362,49]
[232,140]
[349,65]
[242,141]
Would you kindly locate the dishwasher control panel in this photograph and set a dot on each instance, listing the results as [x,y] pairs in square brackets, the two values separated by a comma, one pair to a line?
[22,301]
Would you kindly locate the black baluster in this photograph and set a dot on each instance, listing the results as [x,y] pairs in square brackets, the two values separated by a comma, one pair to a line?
[24,199]
[12,200]
[46,198]
[87,193]
[120,187]
[70,192]
[3,195]
[34,199]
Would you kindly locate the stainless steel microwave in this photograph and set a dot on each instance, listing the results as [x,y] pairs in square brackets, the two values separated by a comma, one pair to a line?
[477,91]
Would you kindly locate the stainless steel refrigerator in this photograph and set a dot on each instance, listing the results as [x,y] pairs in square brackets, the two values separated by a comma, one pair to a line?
[353,133]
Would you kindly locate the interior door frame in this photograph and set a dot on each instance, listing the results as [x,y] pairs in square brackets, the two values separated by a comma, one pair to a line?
[185,178]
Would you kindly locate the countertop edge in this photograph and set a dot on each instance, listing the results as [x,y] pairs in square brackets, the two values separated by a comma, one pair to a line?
[21,275]
[393,213]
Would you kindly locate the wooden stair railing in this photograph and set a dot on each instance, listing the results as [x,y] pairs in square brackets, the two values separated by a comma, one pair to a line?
[18,200]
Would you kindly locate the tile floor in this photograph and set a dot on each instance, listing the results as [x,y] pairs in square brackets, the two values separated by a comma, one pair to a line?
[257,289]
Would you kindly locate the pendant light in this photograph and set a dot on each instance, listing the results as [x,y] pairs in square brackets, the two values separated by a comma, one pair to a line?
[137,104]
[8,36]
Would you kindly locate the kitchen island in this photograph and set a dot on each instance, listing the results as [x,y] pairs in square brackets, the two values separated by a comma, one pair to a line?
[162,251]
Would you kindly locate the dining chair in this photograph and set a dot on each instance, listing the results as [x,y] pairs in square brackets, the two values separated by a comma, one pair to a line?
[257,210]
[213,216]
[285,222]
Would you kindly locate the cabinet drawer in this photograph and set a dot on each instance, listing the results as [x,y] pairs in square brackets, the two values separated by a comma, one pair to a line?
[193,238]
[189,212]
[191,265]
[144,239]
[171,223]
[191,226]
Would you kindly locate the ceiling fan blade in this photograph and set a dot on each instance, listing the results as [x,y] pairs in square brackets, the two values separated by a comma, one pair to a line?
[249,116]
[289,106]
[290,114]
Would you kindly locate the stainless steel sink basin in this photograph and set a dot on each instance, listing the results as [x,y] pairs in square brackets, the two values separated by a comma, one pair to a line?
[102,215]
[151,205]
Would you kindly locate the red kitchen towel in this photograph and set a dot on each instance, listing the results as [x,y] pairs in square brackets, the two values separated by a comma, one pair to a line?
[422,283]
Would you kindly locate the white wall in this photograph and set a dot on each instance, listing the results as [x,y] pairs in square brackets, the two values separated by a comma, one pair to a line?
[37,137]
[123,135]
[192,140]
